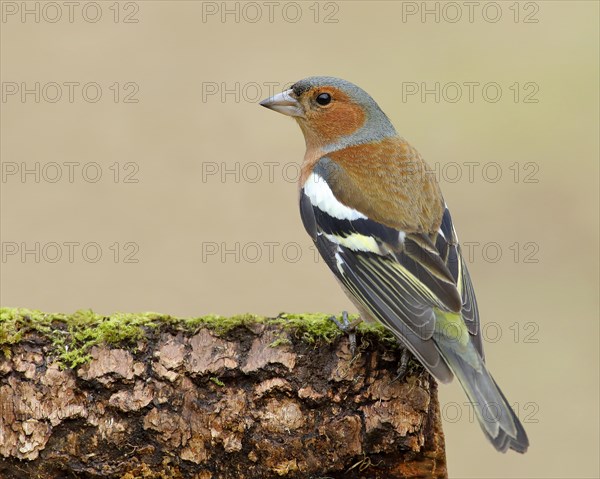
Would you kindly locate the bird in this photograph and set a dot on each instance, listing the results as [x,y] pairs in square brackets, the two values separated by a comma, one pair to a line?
[377,216]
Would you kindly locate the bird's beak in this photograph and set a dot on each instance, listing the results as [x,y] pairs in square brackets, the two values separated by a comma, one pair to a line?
[284,103]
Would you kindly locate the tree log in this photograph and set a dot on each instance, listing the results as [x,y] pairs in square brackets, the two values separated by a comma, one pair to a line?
[259,398]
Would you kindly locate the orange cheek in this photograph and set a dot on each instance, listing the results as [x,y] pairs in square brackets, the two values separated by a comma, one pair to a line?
[340,120]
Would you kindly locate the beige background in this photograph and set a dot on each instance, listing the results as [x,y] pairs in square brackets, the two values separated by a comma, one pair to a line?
[541,318]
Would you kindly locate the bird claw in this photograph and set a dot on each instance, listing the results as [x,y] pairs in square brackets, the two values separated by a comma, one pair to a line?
[403,366]
[348,328]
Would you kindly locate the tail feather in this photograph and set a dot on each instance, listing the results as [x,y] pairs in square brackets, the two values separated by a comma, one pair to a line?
[520,443]
[497,419]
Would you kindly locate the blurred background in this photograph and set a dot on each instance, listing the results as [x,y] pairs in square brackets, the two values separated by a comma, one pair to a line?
[139,174]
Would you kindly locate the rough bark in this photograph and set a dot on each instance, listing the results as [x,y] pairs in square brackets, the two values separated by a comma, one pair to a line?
[257,402]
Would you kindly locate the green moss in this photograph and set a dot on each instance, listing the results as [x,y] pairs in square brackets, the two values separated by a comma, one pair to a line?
[217,381]
[315,327]
[280,341]
[73,335]
[221,324]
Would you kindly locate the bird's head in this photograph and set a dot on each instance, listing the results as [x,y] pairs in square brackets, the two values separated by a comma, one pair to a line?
[332,113]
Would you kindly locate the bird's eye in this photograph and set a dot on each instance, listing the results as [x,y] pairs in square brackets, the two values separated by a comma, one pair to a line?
[324,99]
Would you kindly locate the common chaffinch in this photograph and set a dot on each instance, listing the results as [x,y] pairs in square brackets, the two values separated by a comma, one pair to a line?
[378,219]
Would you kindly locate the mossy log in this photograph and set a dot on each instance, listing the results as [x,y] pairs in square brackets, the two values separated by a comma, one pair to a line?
[151,396]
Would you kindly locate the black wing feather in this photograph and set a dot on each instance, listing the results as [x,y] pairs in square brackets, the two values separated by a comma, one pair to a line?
[449,248]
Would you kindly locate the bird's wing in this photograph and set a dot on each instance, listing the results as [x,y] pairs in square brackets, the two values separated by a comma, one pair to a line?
[449,249]
[398,277]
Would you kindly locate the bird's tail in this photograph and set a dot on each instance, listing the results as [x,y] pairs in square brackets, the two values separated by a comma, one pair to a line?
[496,418]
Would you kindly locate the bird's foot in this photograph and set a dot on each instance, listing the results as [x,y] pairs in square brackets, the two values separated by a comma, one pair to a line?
[403,366]
[348,328]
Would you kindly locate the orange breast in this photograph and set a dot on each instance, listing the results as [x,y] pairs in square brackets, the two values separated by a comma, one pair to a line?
[390,183]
